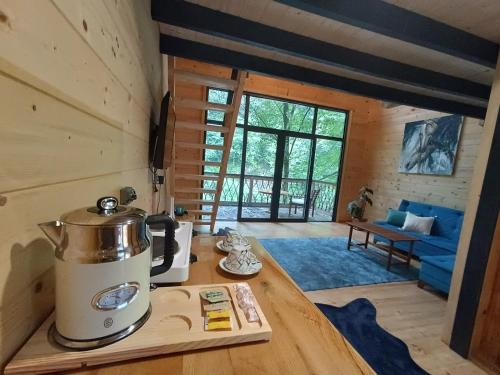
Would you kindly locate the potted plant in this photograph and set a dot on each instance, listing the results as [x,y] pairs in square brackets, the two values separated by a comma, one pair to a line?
[356,208]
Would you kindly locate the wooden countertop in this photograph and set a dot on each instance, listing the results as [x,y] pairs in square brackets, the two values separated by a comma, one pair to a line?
[303,341]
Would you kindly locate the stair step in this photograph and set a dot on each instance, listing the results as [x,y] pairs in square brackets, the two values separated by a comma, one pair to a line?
[202,222]
[195,190]
[196,177]
[199,126]
[201,146]
[201,105]
[201,212]
[193,201]
[205,80]
[198,162]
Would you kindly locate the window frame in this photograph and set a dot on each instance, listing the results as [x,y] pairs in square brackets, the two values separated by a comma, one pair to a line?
[313,136]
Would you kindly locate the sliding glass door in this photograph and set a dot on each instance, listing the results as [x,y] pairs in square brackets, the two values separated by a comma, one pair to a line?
[296,162]
[327,162]
[257,178]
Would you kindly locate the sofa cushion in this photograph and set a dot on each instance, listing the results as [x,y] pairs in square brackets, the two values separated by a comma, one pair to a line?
[444,262]
[436,271]
[395,217]
[441,242]
[448,221]
[418,224]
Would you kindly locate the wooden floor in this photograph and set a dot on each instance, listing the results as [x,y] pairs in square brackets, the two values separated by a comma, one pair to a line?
[268,230]
[412,314]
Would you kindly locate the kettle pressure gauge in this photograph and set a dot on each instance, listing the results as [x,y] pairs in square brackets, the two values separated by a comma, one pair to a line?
[117,297]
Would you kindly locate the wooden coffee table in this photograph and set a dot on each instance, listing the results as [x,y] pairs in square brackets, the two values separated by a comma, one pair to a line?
[391,235]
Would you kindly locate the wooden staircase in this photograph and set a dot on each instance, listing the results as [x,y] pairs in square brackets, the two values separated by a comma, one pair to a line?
[192,187]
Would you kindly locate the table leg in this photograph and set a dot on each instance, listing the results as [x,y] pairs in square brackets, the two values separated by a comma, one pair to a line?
[350,237]
[389,259]
[366,239]
[409,255]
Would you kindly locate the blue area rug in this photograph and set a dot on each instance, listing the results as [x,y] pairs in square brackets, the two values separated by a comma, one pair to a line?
[325,263]
[385,353]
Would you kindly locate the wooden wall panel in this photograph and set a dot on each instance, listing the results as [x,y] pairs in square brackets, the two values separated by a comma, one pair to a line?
[114,45]
[37,133]
[56,59]
[79,82]
[485,349]
[382,164]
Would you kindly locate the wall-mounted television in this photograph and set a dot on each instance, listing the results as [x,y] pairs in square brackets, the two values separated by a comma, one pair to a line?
[161,135]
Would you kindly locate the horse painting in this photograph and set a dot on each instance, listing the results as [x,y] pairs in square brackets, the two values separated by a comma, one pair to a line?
[430,146]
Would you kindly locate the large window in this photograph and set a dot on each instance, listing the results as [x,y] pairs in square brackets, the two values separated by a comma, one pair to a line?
[280,115]
[309,158]
[330,123]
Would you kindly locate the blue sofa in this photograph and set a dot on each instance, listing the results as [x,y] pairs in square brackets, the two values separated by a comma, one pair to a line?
[436,251]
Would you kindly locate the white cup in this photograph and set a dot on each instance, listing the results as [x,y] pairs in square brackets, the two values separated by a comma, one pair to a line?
[241,259]
[229,238]
[234,238]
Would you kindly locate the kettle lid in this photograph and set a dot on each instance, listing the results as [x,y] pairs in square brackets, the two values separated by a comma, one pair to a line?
[105,212]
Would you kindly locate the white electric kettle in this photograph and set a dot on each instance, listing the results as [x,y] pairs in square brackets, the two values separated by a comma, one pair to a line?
[103,268]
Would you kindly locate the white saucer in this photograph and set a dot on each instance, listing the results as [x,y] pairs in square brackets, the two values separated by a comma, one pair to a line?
[240,273]
[220,246]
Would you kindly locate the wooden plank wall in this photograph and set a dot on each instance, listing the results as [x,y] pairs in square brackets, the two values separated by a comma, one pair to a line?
[382,164]
[485,349]
[363,112]
[79,81]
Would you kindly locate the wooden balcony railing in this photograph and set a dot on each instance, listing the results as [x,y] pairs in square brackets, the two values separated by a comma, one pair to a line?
[254,184]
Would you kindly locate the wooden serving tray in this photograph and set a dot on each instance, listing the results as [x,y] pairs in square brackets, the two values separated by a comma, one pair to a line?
[175,325]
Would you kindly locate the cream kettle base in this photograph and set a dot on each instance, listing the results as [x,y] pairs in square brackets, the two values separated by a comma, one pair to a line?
[57,338]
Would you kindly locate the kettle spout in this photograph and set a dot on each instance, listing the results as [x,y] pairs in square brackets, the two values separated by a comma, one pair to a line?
[53,230]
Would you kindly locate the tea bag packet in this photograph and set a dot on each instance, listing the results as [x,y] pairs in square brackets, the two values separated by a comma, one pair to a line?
[217,309]
[216,306]
[246,301]
[215,295]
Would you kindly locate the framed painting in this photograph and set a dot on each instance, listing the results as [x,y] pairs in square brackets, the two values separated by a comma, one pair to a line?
[430,146]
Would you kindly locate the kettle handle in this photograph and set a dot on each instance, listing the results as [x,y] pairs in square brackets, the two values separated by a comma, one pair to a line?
[168,249]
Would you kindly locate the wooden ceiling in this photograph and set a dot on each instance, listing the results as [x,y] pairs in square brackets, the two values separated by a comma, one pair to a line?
[411,52]
[479,17]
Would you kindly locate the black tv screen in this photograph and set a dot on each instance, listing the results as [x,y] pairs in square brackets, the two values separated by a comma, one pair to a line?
[161,136]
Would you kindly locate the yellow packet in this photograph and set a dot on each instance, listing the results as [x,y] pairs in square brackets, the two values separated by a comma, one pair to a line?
[219,324]
[223,314]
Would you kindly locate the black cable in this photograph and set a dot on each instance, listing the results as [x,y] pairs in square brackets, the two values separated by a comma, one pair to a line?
[159,199]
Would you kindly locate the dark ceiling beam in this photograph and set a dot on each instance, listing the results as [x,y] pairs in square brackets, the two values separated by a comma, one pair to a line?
[396,22]
[212,22]
[175,46]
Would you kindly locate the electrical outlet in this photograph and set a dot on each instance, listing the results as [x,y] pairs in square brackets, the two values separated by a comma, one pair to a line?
[160,180]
